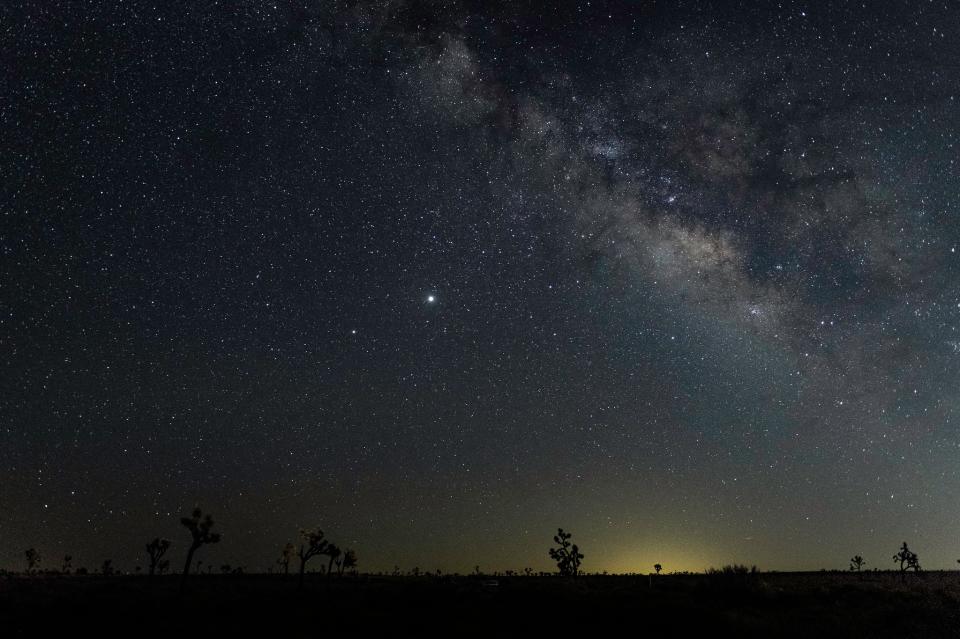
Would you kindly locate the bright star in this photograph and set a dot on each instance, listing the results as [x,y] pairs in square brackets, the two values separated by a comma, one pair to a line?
[431,299]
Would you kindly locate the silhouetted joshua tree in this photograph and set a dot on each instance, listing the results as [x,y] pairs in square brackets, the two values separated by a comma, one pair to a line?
[200,529]
[349,560]
[285,556]
[33,559]
[67,561]
[856,564]
[156,550]
[334,552]
[658,568]
[312,544]
[107,567]
[567,555]
[908,559]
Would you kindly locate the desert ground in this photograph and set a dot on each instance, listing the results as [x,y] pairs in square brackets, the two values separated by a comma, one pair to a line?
[818,604]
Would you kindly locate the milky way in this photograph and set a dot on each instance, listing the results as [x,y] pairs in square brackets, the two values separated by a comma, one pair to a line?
[441,277]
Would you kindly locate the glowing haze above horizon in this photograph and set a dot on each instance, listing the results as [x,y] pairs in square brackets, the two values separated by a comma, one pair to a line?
[441,277]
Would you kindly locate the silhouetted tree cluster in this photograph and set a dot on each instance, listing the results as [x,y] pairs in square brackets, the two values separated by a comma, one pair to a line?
[567,555]
[314,543]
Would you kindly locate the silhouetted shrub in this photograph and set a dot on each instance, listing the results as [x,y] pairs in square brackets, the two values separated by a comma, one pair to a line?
[732,577]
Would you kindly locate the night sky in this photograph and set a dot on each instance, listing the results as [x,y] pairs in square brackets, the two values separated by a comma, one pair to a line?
[679,277]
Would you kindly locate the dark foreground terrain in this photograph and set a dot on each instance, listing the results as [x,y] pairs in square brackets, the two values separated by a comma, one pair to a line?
[762,605]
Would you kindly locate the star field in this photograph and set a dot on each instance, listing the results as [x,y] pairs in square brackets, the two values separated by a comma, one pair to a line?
[440,277]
